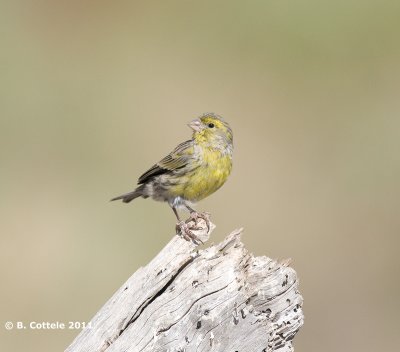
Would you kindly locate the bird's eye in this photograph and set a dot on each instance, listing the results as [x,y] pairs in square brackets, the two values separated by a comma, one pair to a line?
[211,125]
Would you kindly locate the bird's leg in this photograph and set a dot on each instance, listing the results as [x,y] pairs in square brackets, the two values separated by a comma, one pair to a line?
[184,230]
[196,215]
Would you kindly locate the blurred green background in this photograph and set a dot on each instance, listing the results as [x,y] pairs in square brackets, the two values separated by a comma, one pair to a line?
[92,93]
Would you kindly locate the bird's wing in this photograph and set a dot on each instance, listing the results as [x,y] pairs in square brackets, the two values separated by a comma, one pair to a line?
[177,159]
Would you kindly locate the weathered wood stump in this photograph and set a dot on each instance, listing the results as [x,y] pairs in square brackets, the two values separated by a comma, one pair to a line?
[221,298]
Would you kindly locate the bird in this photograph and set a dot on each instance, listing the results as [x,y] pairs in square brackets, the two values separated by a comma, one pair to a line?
[194,170]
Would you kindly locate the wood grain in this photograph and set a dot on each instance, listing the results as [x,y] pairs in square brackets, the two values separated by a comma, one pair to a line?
[220,298]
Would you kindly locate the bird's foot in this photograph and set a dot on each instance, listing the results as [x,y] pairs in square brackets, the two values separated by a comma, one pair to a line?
[183,229]
[205,216]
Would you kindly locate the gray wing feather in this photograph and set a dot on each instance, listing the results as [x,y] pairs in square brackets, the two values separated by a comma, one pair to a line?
[175,160]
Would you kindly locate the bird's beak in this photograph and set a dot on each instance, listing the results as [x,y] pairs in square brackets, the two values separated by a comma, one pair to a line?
[195,125]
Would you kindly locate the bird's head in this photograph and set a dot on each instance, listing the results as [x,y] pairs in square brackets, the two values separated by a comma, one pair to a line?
[211,130]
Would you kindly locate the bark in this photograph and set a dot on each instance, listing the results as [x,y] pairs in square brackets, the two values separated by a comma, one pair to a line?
[220,298]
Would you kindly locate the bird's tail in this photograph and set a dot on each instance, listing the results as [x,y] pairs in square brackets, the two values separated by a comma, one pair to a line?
[127,197]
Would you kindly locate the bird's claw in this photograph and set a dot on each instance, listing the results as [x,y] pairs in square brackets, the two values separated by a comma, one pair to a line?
[205,216]
[183,229]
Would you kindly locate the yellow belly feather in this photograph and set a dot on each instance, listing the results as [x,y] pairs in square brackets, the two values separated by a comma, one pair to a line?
[206,179]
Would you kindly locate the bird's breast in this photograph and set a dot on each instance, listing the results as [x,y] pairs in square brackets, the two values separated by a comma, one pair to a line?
[208,177]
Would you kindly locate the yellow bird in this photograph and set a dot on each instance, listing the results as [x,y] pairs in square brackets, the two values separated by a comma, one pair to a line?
[192,171]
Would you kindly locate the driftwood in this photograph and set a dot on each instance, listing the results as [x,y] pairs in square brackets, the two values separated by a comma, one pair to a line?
[221,298]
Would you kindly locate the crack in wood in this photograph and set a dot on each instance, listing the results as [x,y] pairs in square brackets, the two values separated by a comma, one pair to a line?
[150,300]
[194,302]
